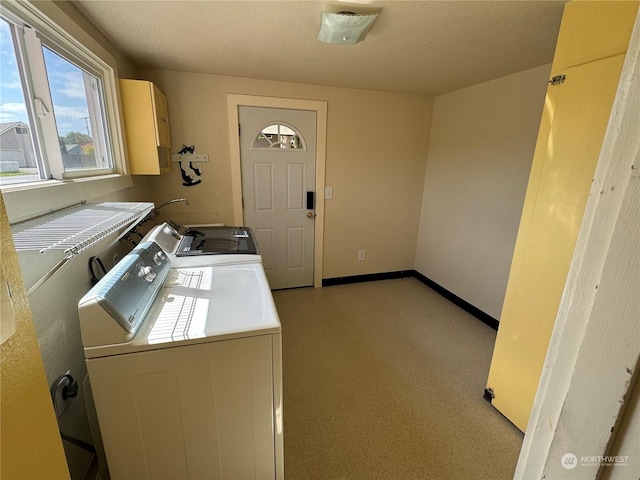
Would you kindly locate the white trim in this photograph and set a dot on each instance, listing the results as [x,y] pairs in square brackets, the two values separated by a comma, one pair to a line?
[594,348]
[48,18]
[233,102]
[47,129]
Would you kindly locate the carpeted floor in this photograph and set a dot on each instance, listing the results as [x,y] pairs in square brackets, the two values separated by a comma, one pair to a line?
[384,380]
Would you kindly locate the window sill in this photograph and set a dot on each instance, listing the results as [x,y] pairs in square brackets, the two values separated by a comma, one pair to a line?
[27,200]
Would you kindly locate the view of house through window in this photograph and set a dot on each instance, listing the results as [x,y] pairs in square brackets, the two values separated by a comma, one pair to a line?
[68,109]
[18,162]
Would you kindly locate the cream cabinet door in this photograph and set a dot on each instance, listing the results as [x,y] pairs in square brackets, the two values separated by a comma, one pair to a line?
[162,118]
[146,127]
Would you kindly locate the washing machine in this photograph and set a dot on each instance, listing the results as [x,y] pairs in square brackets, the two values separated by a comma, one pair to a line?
[205,244]
[185,365]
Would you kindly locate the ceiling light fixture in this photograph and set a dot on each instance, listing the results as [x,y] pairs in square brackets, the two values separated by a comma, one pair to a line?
[345,28]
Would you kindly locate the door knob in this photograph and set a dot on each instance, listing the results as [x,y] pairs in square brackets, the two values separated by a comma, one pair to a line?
[309,214]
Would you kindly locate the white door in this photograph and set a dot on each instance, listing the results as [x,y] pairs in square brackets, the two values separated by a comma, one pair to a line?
[277,154]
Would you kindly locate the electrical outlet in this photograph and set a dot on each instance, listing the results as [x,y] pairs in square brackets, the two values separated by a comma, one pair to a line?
[361,255]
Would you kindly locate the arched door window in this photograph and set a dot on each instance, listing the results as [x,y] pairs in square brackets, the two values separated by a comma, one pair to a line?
[278,136]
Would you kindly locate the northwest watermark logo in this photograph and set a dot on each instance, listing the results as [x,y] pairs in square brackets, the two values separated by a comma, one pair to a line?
[569,461]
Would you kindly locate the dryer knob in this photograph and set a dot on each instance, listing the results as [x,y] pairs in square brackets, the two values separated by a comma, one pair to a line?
[159,257]
[147,273]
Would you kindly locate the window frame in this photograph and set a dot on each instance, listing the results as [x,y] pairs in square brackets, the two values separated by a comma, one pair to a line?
[60,33]
[279,124]
[101,143]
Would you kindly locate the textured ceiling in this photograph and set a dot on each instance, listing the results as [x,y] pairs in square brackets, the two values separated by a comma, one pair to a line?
[424,47]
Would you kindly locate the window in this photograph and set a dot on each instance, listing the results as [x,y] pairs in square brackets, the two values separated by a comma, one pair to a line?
[55,121]
[277,136]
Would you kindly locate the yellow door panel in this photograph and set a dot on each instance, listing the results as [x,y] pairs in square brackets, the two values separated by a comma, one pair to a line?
[555,205]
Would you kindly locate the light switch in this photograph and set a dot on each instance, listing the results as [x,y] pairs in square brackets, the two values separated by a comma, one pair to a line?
[328,193]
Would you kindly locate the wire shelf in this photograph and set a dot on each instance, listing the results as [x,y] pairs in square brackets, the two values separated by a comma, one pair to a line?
[76,228]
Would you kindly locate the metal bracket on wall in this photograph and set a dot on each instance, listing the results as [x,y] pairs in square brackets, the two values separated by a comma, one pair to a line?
[196,157]
[557,80]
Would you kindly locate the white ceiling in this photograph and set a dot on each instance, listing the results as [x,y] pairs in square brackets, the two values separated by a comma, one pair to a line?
[424,47]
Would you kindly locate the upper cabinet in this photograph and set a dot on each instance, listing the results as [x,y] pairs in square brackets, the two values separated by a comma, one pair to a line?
[146,125]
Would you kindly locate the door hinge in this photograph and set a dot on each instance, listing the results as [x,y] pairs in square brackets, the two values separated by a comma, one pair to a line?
[488,394]
[557,80]
[239,129]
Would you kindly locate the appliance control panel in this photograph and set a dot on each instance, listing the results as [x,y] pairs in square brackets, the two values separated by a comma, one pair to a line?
[164,235]
[125,294]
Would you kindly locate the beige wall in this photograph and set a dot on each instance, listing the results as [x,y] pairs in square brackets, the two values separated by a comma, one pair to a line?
[376,153]
[480,153]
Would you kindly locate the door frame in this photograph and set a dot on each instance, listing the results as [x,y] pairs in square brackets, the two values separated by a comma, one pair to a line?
[320,107]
